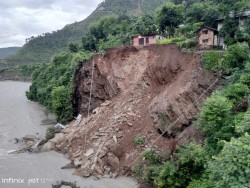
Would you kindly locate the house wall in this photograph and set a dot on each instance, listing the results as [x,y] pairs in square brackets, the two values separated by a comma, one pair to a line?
[152,40]
[135,40]
[219,26]
[206,39]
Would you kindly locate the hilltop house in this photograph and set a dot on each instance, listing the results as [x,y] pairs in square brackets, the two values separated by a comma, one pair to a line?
[142,40]
[209,37]
[240,18]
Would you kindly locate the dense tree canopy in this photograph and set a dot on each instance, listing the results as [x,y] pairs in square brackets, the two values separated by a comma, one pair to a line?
[169,17]
[145,24]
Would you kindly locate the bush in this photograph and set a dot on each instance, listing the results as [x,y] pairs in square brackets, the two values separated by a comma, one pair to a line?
[235,57]
[138,171]
[152,157]
[61,103]
[212,60]
[236,92]
[139,140]
[73,47]
[171,40]
[191,158]
[231,167]
[52,83]
[243,126]
[170,177]
[245,79]
[51,132]
[216,121]
[187,44]
[152,172]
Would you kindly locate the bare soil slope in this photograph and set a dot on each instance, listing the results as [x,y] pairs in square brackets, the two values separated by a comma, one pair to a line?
[137,92]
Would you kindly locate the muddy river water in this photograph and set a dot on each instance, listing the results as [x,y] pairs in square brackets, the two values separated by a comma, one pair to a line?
[20,117]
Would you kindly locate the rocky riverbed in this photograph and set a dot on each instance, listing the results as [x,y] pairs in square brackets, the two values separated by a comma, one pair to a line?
[23,124]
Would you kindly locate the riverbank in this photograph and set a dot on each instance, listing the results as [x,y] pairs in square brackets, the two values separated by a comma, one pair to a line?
[20,117]
[14,75]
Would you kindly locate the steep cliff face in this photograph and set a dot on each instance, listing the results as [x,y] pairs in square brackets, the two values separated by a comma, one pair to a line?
[153,92]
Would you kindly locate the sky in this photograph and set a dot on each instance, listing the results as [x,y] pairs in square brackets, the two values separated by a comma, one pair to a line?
[21,19]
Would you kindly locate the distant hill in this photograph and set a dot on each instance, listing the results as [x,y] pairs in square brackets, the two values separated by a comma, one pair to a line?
[41,49]
[5,52]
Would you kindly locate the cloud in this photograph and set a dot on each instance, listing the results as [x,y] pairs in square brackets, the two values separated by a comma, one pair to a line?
[22,19]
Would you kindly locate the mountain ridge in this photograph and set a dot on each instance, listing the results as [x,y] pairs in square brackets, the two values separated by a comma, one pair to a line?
[40,49]
[5,52]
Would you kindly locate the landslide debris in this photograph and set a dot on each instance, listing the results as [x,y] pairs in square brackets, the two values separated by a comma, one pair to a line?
[137,92]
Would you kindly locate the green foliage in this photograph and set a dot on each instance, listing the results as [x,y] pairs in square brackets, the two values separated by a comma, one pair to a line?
[189,163]
[231,167]
[73,47]
[202,12]
[151,173]
[138,171]
[60,96]
[187,44]
[51,132]
[171,40]
[236,92]
[52,84]
[192,159]
[89,43]
[188,30]
[212,60]
[235,57]
[216,121]
[170,177]
[245,79]
[40,49]
[169,17]
[152,157]
[243,126]
[110,42]
[108,32]
[145,25]
[139,140]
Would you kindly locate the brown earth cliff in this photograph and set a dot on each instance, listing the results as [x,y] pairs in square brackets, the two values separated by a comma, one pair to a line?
[153,92]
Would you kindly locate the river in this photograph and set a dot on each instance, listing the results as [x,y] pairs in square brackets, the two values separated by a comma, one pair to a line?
[20,117]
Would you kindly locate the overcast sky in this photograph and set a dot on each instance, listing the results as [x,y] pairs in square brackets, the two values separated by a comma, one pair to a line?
[21,19]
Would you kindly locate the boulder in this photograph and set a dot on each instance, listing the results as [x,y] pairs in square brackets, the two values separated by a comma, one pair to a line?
[69,166]
[30,138]
[116,149]
[89,152]
[82,172]
[48,146]
[113,161]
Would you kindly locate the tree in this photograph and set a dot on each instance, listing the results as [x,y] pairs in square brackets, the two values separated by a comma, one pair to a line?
[145,24]
[169,16]
[231,9]
[73,47]
[216,121]
[202,12]
[231,168]
[89,43]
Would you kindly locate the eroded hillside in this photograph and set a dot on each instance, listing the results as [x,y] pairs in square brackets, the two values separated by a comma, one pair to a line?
[153,92]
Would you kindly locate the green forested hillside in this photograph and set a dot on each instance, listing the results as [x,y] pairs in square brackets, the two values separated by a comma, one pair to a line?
[40,49]
[5,52]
